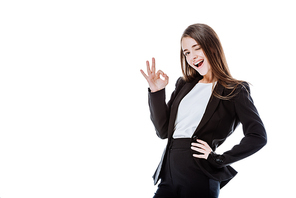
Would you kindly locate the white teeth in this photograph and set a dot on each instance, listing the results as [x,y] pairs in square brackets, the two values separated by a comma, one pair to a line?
[196,64]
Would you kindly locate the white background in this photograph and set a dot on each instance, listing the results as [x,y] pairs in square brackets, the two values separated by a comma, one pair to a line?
[74,118]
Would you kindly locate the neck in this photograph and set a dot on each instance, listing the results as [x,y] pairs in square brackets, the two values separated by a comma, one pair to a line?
[208,78]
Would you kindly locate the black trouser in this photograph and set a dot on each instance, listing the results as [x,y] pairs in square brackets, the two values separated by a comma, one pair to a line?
[181,177]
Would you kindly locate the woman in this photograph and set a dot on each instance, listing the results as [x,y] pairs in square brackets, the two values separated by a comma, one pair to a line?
[205,108]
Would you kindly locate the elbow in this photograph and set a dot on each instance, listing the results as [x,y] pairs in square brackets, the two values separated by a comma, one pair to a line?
[161,135]
[264,141]
[261,142]
[259,137]
[264,138]
[161,130]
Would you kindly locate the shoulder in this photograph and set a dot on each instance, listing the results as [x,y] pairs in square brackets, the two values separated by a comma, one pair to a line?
[243,88]
[180,83]
[236,90]
[242,93]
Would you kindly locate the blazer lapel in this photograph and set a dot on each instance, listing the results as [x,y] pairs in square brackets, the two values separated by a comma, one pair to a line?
[211,107]
[174,108]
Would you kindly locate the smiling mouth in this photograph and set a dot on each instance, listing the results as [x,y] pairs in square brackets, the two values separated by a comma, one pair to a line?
[199,63]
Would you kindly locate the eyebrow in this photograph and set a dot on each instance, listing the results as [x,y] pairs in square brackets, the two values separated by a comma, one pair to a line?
[191,47]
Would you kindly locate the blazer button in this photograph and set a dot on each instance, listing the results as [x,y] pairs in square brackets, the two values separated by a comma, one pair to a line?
[219,159]
[194,138]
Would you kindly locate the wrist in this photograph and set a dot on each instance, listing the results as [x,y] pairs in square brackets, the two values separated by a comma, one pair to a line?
[154,90]
[216,159]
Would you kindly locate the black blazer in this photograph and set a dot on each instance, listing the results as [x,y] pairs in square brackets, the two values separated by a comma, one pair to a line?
[219,121]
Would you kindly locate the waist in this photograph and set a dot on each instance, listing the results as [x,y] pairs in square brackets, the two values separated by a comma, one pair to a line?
[181,143]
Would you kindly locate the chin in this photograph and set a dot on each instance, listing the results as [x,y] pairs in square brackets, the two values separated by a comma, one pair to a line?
[202,73]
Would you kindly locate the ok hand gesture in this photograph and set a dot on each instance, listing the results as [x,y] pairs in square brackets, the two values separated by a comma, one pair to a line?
[155,82]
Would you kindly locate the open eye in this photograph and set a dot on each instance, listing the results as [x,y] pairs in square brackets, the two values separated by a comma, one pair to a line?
[186,53]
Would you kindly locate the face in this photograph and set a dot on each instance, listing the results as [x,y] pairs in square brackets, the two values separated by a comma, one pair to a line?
[195,56]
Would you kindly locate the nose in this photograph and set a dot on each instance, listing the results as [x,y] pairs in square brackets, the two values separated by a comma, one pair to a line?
[193,57]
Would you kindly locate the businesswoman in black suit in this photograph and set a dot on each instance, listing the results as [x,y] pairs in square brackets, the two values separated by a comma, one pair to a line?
[204,109]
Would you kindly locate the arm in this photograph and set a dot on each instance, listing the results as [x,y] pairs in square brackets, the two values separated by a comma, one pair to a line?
[158,107]
[160,111]
[253,128]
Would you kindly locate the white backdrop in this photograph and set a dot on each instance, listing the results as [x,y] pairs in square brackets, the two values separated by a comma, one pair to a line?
[74,118]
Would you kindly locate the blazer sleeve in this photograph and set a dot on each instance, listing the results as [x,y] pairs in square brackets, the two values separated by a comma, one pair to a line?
[160,111]
[254,132]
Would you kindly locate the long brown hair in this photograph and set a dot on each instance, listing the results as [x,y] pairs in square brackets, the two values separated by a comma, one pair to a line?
[209,42]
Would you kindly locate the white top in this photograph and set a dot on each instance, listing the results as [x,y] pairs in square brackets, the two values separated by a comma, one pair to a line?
[191,110]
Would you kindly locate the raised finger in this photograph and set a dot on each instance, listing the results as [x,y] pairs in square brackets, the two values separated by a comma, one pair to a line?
[143,73]
[148,68]
[153,65]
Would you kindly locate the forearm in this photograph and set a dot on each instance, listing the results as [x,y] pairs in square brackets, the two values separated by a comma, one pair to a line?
[159,112]
[248,146]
